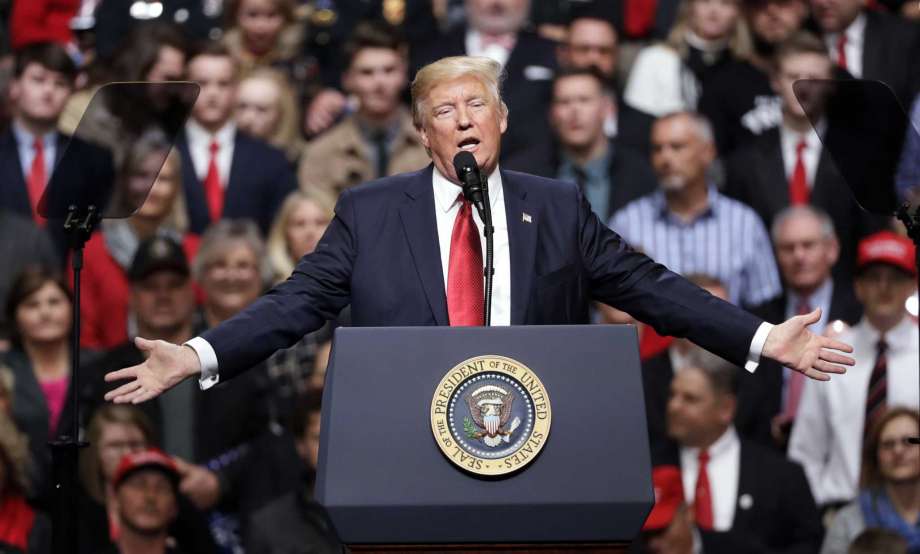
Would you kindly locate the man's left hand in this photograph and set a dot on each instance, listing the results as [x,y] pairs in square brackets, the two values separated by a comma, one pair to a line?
[793,345]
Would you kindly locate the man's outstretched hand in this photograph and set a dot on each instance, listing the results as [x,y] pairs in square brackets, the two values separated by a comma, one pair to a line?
[166,366]
[793,345]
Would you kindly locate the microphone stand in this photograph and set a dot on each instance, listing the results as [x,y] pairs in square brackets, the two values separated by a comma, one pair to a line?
[65,450]
[912,222]
[488,230]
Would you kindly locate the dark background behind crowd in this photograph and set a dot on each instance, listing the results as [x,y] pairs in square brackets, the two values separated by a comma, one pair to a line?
[677,119]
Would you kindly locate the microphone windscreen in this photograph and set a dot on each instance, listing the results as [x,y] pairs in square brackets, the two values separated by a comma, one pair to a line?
[463,162]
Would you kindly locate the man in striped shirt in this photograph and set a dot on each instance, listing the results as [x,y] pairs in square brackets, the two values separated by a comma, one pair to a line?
[689,226]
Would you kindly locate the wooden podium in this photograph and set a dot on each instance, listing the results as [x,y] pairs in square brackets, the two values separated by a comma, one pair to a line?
[388,486]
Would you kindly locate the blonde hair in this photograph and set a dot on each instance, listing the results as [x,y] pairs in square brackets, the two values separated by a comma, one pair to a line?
[740,42]
[177,219]
[286,135]
[485,70]
[279,256]
[90,467]
[14,454]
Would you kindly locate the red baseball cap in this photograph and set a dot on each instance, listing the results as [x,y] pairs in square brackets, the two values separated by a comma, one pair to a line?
[669,496]
[150,458]
[889,248]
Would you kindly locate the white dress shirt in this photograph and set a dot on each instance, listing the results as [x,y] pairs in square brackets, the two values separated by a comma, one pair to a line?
[199,147]
[446,207]
[811,155]
[495,52]
[25,143]
[828,431]
[856,38]
[723,469]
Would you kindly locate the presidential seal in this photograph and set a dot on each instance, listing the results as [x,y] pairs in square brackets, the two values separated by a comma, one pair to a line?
[490,415]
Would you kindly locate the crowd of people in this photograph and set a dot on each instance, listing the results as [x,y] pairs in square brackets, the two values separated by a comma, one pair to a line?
[679,122]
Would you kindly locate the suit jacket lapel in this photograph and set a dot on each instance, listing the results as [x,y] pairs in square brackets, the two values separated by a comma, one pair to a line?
[774,172]
[872,55]
[522,240]
[237,164]
[195,203]
[421,227]
[13,185]
[745,501]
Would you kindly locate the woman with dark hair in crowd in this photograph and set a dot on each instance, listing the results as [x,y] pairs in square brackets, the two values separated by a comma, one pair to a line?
[113,431]
[39,308]
[110,250]
[889,496]
[670,76]
[22,529]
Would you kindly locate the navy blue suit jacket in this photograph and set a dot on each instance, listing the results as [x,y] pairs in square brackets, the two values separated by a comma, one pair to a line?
[260,178]
[381,255]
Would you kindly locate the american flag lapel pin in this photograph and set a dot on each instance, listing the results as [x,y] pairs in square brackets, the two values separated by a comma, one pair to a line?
[525,217]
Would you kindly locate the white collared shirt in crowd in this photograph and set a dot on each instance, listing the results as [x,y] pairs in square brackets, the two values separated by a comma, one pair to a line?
[495,52]
[856,37]
[811,155]
[723,470]
[199,146]
[828,431]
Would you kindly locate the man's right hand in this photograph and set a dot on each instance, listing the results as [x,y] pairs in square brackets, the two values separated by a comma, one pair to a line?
[166,366]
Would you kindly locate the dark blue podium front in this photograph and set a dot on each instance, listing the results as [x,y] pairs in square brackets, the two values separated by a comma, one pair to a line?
[384,480]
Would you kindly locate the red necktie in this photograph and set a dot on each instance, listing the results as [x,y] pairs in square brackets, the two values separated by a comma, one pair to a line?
[842,50]
[797,378]
[464,271]
[37,180]
[877,397]
[798,184]
[214,193]
[702,499]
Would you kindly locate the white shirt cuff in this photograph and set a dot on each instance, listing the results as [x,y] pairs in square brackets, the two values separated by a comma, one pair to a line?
[760,338]
[208,358]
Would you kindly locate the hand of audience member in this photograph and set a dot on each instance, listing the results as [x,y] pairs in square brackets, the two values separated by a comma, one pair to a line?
[794,346]
[678,537]
[322,112]
[199,484]
[166,366]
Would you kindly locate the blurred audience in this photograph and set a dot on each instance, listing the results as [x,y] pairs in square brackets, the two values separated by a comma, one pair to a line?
[150,181]
[294,522]
[378,139]
[267,109]
[806,249]
[739,98]
[743,497]
[834,417]
[22,528]
[671,76]
[37,21]
[757,393]
[689,226]
[889,496]
[610,174]
[225,172]
[871,44]
[790,166]
[496,29]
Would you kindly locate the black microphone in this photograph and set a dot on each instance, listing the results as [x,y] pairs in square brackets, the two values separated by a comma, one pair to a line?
[468,173]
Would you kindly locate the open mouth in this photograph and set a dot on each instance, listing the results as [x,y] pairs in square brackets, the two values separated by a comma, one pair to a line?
[468,144]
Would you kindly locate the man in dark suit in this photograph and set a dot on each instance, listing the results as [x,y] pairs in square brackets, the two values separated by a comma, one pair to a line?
[495,29]
[226,173]
[806,250]
[741,496]
[405,250]
[758,394]
[609,174]
[871,44]
[789,165]
[43,81]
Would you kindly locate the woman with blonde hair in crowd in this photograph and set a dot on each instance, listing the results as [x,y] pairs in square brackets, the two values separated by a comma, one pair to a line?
[670,76]
[110,250]
[21,527]
[889,496]
[300,224]
[267,109]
